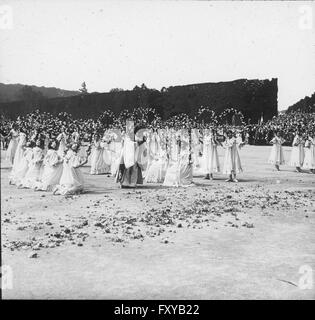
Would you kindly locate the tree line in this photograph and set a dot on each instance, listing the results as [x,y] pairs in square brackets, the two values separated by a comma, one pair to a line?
[254,98]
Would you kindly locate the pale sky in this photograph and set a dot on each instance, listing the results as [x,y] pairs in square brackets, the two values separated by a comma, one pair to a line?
[159,43]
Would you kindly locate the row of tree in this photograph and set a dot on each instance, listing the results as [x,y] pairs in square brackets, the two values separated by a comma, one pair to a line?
[252,97]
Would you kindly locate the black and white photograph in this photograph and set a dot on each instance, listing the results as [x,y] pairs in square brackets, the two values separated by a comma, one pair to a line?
[157,150]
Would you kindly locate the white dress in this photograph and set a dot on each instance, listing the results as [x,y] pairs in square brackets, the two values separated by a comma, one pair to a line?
[210,155]
[10,153]
[62,138]
[98,164]
[20,171]
[309,159]
[35,168]
[129,173]
[186,171]
[179,171]
[156,171]
[232,160]
[276,154]
[172,174]
[71,181]
[153,147]
[173,146]
[116,148]
[19,152]
[52,171]
[297,153]
[109,155]
[155,160]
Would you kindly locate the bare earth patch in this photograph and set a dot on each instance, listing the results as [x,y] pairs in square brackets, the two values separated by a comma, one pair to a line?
[214,240]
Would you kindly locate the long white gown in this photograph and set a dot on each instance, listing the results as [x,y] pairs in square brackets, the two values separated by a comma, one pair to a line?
[297,153]
[10,153]
[153,147]
[116,148]
[19,152]
[210,155]
[112,150]
[107,154]
[35,169]
[20,171]
[309,159]
[179,172]
[156,171]
[52,171]
[156,160]
[98,164]
[71,181]
[276,153]
[232,160]
[62,138]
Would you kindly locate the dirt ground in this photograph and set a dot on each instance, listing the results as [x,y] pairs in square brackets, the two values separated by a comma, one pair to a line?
[214,240]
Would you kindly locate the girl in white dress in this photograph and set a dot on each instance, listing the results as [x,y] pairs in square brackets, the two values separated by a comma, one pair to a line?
[21,170]
[98,164]
[210,153]
[18,154]
[62,139]
[297,153]
[186,170]
[108,151]
[172,175]
[276,155]
[232,161]
[10,153]
[52,169]
[180,170]
[156,169]
[115,147]
[35,169]
[71,181]
[309,159]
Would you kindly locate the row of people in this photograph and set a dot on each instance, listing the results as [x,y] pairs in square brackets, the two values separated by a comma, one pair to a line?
[136,160]
[168,157]
[302,154]
[34,169]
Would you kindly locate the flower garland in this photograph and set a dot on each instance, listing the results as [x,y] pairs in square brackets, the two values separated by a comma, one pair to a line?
[180,121]
[230,113]
[205,117]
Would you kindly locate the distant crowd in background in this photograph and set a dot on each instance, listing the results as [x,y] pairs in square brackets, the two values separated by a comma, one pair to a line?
[287,124]
[42,125]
